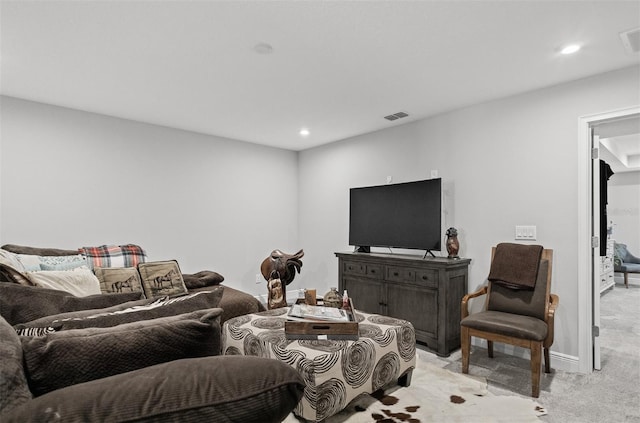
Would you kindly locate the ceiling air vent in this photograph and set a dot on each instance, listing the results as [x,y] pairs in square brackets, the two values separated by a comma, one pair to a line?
[396,116]
[631,40]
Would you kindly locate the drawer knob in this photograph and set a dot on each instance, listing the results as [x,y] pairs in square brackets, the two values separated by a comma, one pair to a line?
[395,273]
[373,270]
[425,277]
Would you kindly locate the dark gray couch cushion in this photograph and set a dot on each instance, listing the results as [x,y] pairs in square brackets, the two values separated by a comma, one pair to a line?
[37,251]
[74,356]
[212,389]
[235,302]
[19,304]
[202,279]
[13,384]
[129,312]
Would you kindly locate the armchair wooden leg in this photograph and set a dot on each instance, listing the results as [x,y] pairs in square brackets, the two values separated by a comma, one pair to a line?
[547,363]
[536,356]
[465,346]
[490,348]
[626,280]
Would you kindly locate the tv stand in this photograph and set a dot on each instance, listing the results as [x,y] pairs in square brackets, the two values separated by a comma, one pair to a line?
[428,252]
[425,291]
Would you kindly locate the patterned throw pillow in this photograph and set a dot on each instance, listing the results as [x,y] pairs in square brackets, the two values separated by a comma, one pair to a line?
[160,278]
[63,262]
[33,263]
[128,255]
[43,331]
[29,262]
[118,279]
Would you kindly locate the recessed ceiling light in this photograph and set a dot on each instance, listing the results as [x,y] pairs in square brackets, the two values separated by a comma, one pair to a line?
[304,132]
[570,49]
[263,48]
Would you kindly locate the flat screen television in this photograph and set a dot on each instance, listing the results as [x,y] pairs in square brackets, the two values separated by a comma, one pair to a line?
[405,215]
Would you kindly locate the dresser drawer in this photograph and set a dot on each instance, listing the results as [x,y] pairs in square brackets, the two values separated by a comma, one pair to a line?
[427,278]
[353,268]
[400,274]
[374,271]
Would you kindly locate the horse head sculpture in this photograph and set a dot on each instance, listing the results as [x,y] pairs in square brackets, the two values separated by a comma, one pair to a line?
[281,265]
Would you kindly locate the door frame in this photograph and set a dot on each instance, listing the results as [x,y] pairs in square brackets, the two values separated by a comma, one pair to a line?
[585,222]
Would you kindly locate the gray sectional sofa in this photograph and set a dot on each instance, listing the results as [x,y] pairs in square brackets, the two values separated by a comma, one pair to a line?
[119,357]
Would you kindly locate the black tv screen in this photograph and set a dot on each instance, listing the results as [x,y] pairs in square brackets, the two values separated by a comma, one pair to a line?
[405,215]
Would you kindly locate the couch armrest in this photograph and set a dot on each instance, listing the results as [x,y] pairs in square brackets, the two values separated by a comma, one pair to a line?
[220,389]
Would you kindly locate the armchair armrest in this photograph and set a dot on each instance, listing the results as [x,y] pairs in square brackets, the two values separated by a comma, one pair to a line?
[464,308]
[554,300]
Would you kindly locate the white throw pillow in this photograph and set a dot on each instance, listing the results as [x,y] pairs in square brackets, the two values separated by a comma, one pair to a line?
[79,282]
[9,259]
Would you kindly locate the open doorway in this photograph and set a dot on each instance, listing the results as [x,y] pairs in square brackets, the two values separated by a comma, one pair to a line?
[620,148]
[605,136]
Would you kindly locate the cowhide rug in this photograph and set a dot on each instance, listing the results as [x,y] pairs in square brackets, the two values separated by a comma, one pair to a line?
[437,395]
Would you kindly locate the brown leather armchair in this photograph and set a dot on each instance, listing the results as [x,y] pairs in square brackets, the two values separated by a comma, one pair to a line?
[520,317]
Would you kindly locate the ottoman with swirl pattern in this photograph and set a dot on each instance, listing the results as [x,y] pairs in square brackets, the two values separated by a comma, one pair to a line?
[335,372]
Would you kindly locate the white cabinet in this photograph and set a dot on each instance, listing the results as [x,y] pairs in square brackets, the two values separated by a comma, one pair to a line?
[606,268]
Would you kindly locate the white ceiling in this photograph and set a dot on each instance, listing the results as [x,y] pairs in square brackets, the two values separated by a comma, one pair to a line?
[620,143]
[337,67]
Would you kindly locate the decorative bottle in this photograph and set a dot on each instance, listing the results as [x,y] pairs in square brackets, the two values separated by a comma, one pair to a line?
[345,300]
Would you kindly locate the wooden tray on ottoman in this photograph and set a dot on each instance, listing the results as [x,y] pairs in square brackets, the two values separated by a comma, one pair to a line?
[323,329]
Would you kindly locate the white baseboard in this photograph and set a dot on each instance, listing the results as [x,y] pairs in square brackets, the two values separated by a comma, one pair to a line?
[559,361]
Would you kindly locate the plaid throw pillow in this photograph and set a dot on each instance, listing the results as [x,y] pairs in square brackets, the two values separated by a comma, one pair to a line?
[128,255]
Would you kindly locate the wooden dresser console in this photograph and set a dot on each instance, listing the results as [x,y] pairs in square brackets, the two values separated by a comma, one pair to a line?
[426,292]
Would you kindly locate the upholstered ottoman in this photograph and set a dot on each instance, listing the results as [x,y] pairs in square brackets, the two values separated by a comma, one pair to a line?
[335,371]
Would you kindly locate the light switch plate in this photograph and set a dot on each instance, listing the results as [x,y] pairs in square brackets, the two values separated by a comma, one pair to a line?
[526,232]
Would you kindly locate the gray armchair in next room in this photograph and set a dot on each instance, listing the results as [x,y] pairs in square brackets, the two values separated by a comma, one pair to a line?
[625,262]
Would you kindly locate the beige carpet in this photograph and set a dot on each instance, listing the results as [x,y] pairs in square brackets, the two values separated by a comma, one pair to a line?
[438,395]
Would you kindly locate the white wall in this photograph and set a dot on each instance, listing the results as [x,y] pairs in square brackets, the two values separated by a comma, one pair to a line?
[71,179]
[624,209]
[504,163]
